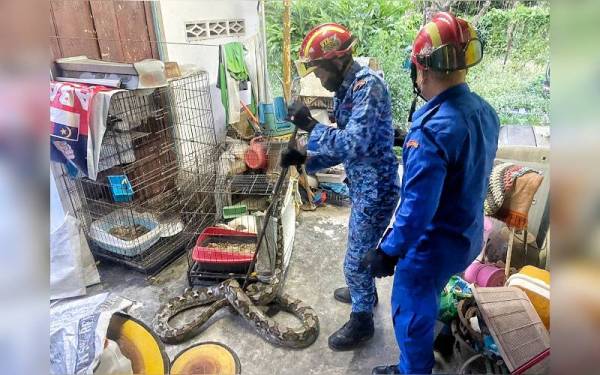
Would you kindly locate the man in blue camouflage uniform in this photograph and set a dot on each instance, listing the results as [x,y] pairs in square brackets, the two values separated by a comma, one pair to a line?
[363,142]
[448,156]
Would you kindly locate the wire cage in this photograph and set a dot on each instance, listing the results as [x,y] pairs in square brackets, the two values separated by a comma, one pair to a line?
[242,182]
[170,183]
[226,249]
[156,142]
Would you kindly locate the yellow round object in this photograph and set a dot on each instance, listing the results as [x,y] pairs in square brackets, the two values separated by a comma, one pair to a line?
[206,358]
[139,344]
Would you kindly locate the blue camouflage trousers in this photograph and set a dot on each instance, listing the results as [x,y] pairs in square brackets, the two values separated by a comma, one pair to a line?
[367,225]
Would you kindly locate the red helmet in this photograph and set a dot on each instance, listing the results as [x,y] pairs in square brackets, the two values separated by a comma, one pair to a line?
[446,43]
[326,41]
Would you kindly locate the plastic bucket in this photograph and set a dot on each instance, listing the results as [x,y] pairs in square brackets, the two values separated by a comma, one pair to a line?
[484,275]
[256,155]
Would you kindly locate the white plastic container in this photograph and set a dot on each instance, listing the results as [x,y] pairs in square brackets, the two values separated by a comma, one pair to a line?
[100,232]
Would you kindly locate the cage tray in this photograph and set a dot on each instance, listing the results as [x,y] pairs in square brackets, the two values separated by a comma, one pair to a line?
[165,251]
[102,231]
[221,250]
[198,276]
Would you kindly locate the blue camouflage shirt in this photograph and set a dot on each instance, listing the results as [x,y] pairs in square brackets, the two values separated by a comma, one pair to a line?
[363,140]
[448,156]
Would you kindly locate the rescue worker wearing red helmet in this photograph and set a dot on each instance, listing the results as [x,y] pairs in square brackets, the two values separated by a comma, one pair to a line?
[448,156]
[363,141]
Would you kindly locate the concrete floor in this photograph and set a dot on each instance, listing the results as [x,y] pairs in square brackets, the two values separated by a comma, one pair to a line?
[315,271]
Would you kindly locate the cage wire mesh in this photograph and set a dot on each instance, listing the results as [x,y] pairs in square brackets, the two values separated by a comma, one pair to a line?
[168,184]
[246,170]
[154,143]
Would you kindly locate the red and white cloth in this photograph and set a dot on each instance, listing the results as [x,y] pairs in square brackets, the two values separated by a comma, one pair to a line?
[78,115]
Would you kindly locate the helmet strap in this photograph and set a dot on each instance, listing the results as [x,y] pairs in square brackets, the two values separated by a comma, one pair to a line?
[413,77]
[416,91]
[413,106]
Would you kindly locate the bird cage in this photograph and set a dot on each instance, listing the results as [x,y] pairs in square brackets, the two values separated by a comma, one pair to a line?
[242,182]
[157,142]
[169,184]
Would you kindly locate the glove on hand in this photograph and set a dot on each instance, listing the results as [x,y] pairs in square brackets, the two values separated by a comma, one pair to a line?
[378,263]
[299,114]
[292,156]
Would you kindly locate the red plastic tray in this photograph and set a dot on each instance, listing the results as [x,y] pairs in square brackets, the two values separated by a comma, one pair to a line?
[203,254]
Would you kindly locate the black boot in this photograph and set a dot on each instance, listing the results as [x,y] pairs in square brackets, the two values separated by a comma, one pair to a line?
[343,295]
[357,330]
[385,370]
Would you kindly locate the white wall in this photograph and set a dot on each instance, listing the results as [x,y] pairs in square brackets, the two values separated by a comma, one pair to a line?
[204,54]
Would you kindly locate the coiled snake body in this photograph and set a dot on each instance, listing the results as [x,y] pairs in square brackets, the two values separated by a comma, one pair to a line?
[248,304]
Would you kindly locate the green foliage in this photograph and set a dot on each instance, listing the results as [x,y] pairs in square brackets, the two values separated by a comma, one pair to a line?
[514,90]
[384,29]
[530,40]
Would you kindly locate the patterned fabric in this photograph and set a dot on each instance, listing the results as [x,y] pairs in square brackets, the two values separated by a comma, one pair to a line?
[71,124]
[363,141]
[502,180]
[367,225]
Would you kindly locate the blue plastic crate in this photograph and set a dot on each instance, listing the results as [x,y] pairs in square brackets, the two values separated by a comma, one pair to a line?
[120,188]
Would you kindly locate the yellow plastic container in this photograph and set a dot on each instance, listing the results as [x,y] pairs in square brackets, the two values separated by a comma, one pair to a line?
[535,282]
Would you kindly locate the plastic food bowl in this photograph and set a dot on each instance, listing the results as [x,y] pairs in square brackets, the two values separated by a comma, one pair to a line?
[120,188]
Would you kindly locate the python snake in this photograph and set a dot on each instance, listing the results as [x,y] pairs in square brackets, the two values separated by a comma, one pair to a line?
[247,304]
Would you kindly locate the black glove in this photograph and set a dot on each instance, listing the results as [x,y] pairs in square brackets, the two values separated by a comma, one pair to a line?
[292,156]
[299,114]
[378,263]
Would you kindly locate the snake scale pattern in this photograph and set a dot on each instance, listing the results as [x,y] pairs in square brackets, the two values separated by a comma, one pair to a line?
[249,304]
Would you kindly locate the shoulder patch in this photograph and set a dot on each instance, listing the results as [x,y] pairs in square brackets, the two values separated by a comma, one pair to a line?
[412,144]
[360,83]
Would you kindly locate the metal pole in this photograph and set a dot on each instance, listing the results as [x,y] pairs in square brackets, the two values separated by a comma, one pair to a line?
[263,49]
[287,73]
[163,53]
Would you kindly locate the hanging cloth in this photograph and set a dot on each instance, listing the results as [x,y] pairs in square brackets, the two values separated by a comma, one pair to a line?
[222,83]
[232,71]
[234,59]
[78,115]
[255,69]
